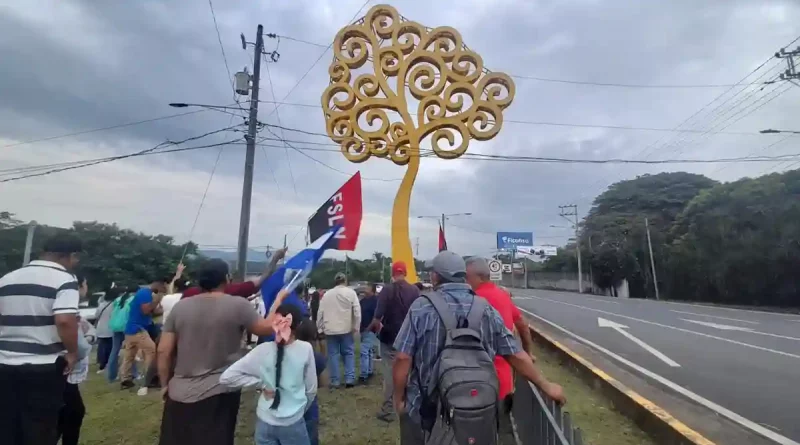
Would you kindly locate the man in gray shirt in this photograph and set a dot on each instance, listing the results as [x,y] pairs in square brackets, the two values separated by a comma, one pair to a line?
[201,339]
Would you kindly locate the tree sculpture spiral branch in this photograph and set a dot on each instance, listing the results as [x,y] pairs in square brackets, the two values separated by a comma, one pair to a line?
[386,67]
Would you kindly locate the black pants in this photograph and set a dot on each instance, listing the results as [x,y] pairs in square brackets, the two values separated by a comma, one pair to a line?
[506,430]
[31,397]
[211,421]
[104,346]
[71,416]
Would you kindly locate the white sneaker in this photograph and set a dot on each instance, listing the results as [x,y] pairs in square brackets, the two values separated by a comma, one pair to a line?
[142,391]
[100,371]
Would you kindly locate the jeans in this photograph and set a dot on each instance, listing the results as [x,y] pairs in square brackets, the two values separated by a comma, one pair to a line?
[342,345]
[387,359]
[104,347]
[368,345]
[31,397]
[294,434]
[312,426]
[113,360]
[70,418]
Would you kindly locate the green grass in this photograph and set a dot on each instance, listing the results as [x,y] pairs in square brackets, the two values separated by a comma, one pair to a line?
[347,416]
[115,417]
[594,414]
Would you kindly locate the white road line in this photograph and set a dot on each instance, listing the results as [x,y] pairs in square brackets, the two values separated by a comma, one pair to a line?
[774,351]
[714,316]
[726,327]
[622,329]
[747,423]
[722,308]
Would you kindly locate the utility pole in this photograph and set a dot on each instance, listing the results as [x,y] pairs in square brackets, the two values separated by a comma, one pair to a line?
[791,73]
[417,246]
[652,261]
[249,159]
[566,212]
[29,243]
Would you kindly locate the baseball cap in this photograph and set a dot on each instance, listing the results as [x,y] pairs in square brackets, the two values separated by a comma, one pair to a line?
[340,276]
[479,265]
[399,268]
[448,265]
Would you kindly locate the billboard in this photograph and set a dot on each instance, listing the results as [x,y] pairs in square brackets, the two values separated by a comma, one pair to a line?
[512,240]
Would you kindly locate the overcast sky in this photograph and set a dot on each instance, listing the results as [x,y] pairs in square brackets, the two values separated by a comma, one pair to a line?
[71,66]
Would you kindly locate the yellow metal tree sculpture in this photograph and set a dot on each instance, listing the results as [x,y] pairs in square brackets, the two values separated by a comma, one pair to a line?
[396,86]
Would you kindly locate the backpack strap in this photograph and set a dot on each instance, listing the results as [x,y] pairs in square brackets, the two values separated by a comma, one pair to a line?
[442,308]
[475,315]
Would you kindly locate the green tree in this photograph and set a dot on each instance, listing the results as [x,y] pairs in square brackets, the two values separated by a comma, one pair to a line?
[739,243]
[613,237]
[111,254]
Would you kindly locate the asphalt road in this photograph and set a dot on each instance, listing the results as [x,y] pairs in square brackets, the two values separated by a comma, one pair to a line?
[743,365]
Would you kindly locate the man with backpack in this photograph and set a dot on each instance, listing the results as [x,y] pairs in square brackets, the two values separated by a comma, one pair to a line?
[446,389]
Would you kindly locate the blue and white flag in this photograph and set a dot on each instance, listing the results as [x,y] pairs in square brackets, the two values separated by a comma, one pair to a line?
[295,270]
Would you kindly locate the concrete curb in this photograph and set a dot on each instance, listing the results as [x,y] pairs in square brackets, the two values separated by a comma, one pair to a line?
[651,418]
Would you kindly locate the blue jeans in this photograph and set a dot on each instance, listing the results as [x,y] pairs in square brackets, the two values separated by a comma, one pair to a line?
[294,434]
[344,346]
[368,344]
[113,360]
[312,426]
[104,346]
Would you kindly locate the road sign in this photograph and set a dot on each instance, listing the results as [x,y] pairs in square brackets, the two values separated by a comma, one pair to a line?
[512,240]
[507,268]
[495,270]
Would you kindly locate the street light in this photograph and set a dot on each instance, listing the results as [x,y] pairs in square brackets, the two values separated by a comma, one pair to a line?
[445,216]
[773,131]
[185,105]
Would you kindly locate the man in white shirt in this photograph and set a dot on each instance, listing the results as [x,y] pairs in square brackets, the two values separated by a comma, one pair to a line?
[339,317]
[38,342]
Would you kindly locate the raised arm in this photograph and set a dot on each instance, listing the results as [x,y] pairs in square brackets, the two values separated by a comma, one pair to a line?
[263,326]
[271,266]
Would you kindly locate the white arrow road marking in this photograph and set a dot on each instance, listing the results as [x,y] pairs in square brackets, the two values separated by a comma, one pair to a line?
[714,316]
[621,328]
[743,421]
[726,327]
[689,331]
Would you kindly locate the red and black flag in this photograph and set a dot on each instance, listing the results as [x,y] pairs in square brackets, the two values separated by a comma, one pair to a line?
[442,240]
[342,209]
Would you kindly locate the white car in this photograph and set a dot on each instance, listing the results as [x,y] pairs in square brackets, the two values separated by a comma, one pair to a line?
[88,312]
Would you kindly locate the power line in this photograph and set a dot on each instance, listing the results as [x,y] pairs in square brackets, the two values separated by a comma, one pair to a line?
[272,35]
[91,162]
[95,130]
[278,117]
[565,81]
[467,156]
[202,201]
[291,90]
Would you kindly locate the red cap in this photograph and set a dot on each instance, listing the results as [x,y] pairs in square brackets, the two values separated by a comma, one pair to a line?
[399,268]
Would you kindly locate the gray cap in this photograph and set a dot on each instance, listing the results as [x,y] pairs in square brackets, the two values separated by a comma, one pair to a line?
[340,276]
[448,265]
[479,265]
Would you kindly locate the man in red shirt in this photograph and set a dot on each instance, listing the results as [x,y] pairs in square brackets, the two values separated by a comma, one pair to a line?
[245,288]
[500,300]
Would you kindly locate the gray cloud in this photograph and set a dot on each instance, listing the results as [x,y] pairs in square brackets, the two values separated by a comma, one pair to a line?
[80,65]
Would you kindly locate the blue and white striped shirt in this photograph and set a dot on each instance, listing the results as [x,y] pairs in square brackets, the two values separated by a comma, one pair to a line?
[422,337]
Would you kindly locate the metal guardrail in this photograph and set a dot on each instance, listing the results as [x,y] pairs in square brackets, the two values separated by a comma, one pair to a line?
[539,420]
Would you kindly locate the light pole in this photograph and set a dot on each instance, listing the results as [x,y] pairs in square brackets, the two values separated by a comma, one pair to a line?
[445,216]
[566,212]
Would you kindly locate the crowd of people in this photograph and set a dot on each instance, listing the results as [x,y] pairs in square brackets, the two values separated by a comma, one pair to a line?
[446,354]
